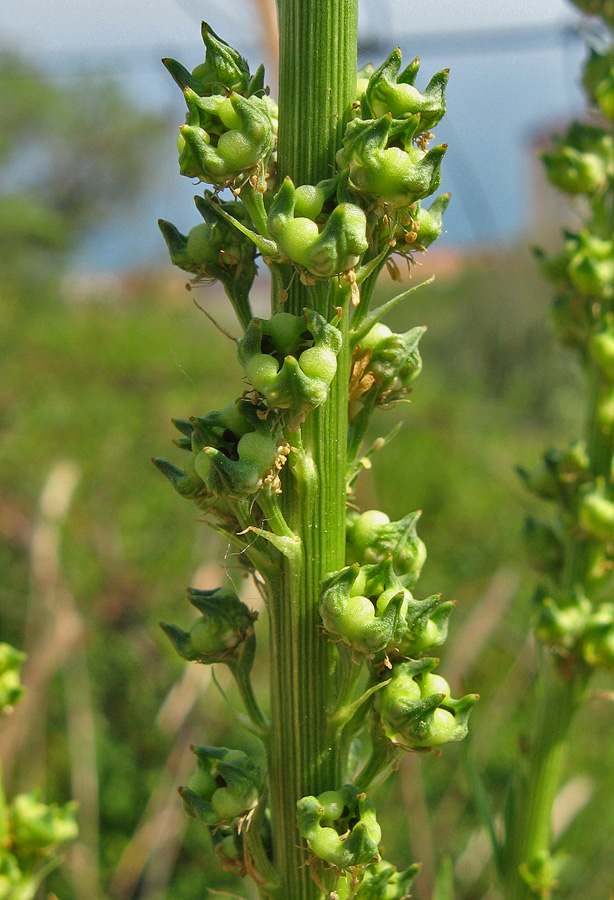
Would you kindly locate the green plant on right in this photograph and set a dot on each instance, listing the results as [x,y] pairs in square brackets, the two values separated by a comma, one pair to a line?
[574,548]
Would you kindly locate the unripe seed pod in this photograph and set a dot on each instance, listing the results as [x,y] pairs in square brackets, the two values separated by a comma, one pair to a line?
[225,787]
[340,827]
[384,163]
[243,138]
[598,80]
[37,826]
[381,881]
[220,632]
[370,610]
[372,537]
[322,252]
[601,348]
[387,92]
[291,360]
[582,161]
[416,708]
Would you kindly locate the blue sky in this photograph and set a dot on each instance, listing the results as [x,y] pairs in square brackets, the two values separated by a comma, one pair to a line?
[515,77]
[81,26]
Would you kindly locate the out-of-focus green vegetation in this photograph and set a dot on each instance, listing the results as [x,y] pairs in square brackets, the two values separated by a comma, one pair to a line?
[91,376]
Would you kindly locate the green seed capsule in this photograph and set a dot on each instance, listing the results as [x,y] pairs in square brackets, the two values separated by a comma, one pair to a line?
[340,827]
[300,361]
[389,92]
[225,787]
[601,348]
[383,163]
[331,249]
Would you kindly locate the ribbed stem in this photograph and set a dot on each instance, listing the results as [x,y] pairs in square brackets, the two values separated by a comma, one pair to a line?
[317,86]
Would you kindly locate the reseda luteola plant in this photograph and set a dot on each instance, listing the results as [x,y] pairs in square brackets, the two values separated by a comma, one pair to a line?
[574,550]
[31,832]
[352,665]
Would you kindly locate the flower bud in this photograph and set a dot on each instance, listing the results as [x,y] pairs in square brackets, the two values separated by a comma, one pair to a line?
[291,360]
[394,93]
[372,538]
[220,631]
[383,162]
[416,709]
[11,690]
[225,787]
[340,827]
[331,249]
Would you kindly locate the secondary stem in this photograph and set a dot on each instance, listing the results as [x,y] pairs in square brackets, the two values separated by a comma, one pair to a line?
[558,702]
[560,696]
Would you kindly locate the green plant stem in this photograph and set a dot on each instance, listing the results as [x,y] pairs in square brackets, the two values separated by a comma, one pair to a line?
[531,843]
[560,694]
[317,86]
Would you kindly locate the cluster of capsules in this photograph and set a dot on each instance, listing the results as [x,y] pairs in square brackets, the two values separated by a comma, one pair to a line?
[574,612]
[341,231]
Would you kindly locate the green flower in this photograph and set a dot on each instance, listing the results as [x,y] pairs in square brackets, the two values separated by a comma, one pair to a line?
[225,787]
[391,91]
[384,164]
[291,360]
[323,250]
[416,708]
[582,161]
[370,610]
[220,631]
[340,827]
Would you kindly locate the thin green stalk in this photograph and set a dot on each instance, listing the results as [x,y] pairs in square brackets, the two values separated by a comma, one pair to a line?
[561,691]
[557,704]
[317,85]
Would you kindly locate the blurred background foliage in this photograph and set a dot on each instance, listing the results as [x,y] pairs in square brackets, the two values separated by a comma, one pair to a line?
[95,548]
